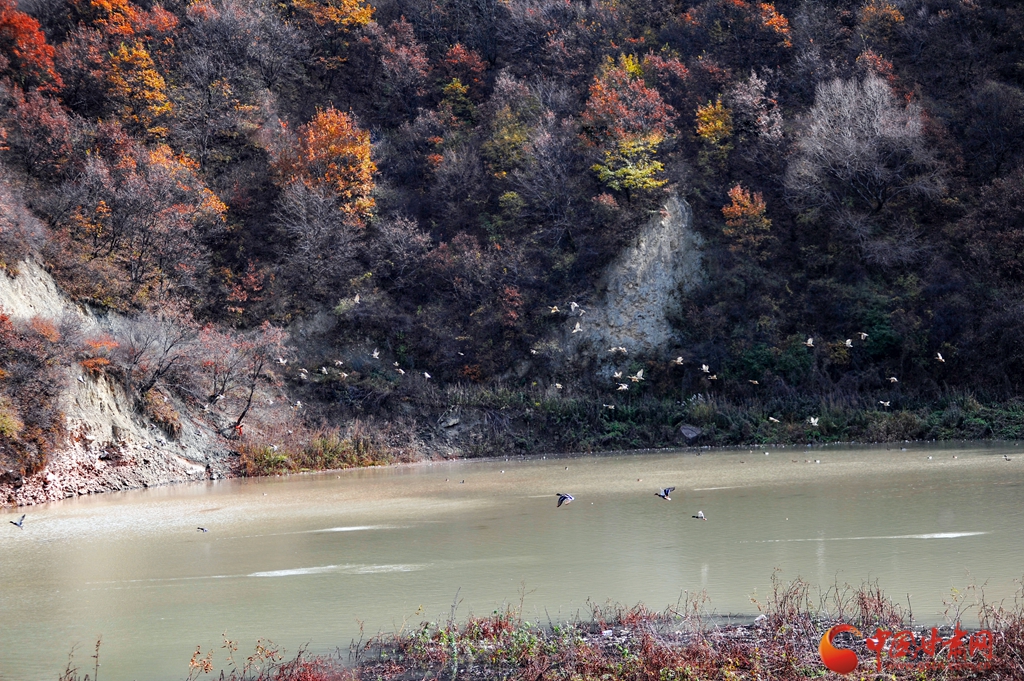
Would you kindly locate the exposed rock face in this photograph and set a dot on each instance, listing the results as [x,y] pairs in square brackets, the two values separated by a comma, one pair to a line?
[641,287]
[110,446]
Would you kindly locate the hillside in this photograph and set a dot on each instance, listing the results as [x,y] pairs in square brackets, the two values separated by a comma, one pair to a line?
[321,233]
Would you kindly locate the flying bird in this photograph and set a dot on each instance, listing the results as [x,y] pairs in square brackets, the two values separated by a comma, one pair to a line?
[202,529]
[863,336]
[623,386]
[637,377]
[396,364]
[752,382]
[281,360]
[558,386]
[356,299]
[883,403]
[664,494]
[609,406]
[813,420]
[617,374]
[705,368]
[1005,458]
[338,363]
[849,342]
[678,360]
[938,356]
[573,305]
[21,521]
[402,372]
[376,353]
[81,379]
[713,377]
[426,375]
[809,342]
[554,309]
[323,370]
[700,515]
[564,499]
[773,419]
[893,379]
[577,328]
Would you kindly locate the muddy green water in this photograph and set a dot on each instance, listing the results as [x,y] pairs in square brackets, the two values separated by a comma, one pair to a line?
[305,560]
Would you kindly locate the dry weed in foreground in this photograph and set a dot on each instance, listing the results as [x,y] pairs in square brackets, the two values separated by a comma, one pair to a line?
[683,643]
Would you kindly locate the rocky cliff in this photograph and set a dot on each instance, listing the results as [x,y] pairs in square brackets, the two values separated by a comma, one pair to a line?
[109,445]
[638,291]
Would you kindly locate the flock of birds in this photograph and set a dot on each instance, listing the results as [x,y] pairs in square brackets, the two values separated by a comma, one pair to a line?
[621,385]
[663,493]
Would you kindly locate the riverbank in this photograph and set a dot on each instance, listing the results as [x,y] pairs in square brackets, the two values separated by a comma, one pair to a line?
[683,642]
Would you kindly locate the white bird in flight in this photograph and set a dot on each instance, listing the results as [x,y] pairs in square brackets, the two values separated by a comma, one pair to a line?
[705,368]
[21,521]
[809,342]
[623,386]
[577,328]
[849,342]
[323,370]
[713,377]
[609,406]
[554,309]
[564,498]
[426,375]
[338,363]
[617,374]
[893,379]
[884,403]
[938,356]
[813,420]
[863,336]
[558,386]
[573,305]
[678,360]
[356,299]
[281,360]
[637,377]
[753,382]
[664,494]
[700,515]
[773,419]
[376,353]
[402,372]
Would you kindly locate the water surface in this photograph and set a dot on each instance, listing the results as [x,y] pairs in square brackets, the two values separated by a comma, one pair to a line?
[309,559]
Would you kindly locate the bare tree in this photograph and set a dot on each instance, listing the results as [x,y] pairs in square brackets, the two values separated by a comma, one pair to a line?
[322,237]
[860,148]
[150,346]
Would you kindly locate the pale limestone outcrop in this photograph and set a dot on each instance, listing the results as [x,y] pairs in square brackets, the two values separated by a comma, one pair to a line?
[640,288]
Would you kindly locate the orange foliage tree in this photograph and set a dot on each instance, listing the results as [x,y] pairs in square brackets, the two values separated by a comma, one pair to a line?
[25,55]
[138,90]
[747,224]
[333,152]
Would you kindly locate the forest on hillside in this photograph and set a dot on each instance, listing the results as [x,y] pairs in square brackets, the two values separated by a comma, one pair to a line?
[436,174]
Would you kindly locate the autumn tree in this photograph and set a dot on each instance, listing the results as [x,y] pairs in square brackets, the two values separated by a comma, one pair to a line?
[626,120]
[747,226]
[714,132]
[25,56]
[138,91]
[143,215]
[743,34]
[333,153]
[329,23]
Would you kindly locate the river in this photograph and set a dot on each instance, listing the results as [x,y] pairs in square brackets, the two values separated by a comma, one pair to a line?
[307,559]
